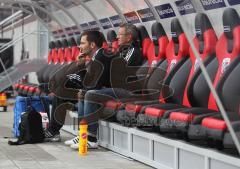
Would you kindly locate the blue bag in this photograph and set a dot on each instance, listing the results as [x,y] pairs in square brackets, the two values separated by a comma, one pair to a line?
[40,104]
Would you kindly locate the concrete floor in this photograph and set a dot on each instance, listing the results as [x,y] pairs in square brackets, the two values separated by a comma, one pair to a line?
[55,155]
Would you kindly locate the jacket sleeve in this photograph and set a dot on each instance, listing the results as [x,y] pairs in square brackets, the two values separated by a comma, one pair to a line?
[93,78]
[133,57]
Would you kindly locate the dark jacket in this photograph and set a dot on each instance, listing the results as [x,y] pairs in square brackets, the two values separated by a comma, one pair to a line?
[132,54]
[124,66]
[98,71]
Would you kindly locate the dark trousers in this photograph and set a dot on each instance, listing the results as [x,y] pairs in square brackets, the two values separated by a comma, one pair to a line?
[58,113]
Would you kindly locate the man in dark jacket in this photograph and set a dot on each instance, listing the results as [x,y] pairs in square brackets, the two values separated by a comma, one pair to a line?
[97,75]
[128,42]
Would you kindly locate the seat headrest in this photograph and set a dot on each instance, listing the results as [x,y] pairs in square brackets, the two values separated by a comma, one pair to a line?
[202,24]
[157,32]
[64,43]
[176,30]
[78,40]
[72,41]
[142,32]
[111,36]
[230,21]
[205,35]
[58,44]
[52,45]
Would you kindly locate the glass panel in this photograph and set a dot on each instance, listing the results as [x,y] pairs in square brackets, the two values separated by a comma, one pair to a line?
[62,17]
[4,13]
[45,4]
[104,8]
[27,7]
[81,15]
[130,5]
[43,41]
[66,4]
[44,16]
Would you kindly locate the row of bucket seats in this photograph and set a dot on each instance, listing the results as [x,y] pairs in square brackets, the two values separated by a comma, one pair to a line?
[175,97]
[60,52]
[183,103]
[65,52]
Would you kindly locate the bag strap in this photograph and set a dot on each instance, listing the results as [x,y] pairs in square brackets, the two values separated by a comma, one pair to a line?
[45,105]
[28,103]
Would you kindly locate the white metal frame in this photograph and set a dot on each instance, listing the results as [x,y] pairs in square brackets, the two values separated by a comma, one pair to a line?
[209,158]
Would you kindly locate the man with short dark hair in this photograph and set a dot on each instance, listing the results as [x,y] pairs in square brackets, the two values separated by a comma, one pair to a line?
[97,75]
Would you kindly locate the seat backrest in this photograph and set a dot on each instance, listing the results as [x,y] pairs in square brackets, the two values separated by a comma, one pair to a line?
[157,49]
[105,45]
[66,50]
[156,58]
[178,47]
[227,49]
[145,40]
[205,42]
[55,53]
[229,88]
[112,40]
[59,54]
[75,50]
[78,40]
[50,53]
[75,53]
[68,53]
[179,64]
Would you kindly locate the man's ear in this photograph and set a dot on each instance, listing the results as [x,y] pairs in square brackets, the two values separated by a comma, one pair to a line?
[92,45]
[130,38]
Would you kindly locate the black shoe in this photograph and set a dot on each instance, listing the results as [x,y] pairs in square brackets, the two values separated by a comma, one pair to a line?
[49,137]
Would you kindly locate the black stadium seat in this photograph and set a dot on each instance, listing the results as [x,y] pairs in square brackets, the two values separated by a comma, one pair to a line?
[66,52]
[228,51]
[157,49]
[112,40]
[75,50]
[51,53]
[188,120]
[205,42]
[145,40]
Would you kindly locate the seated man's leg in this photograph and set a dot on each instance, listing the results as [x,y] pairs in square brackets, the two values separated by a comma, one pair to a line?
[110,93]
[58,114]
[91,109]
[74,143]
[54,125]
[86,110]
[81,109]
[94,103]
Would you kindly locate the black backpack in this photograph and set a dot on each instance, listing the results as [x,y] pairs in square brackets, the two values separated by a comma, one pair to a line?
[30,127]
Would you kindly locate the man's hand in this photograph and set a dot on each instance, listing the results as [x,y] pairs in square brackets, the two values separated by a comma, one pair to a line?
[51,94]
[80,59]
[81,94]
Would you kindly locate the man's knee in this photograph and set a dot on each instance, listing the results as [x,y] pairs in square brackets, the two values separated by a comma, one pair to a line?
[90,94]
